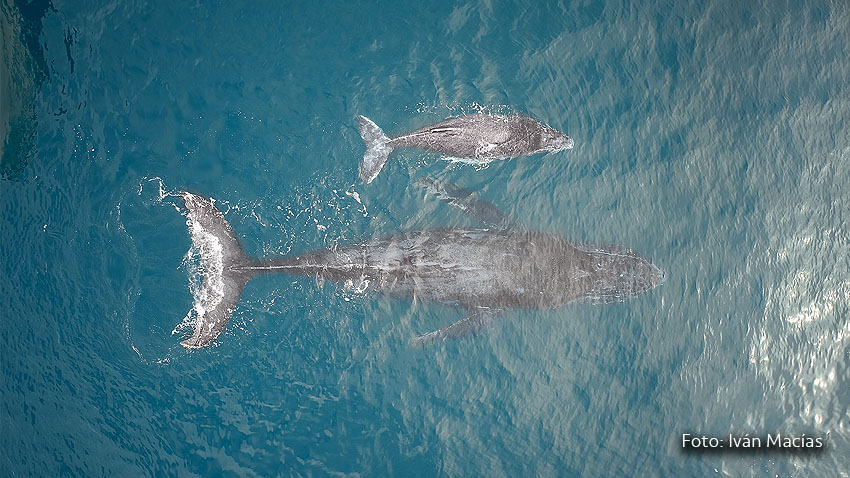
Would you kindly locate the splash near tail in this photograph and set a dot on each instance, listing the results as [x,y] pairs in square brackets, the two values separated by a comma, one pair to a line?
[377,149]
[224,265]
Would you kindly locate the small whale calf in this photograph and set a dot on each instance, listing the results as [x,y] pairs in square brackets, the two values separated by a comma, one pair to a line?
[480,136]
[485,271]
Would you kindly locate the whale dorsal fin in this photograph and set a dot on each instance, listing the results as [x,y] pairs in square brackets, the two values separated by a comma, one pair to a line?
[468,202]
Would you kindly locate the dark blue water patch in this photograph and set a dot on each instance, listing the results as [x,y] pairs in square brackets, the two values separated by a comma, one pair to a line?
[19,144]
[31,17]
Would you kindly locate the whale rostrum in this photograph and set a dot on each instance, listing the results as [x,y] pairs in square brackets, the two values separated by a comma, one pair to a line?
[480,136]
[485,271]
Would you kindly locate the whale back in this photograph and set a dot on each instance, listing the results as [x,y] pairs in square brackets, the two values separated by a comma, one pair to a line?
[499,269]
[477,136]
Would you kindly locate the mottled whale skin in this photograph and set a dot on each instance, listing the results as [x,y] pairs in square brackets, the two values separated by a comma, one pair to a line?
[483,270]
[480,136]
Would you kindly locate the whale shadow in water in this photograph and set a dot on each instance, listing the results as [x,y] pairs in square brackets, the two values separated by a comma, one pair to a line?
[485,271]
[23,69]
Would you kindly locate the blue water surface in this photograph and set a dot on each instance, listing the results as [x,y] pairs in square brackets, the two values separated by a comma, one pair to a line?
[712,137]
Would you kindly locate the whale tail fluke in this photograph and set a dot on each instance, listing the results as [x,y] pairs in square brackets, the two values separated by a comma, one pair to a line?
[377,149]
[224,267]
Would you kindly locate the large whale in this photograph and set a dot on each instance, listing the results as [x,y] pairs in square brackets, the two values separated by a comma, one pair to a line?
[485,271]
[480,136]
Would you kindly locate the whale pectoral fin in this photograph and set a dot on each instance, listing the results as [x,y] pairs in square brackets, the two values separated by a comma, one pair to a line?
[473,324]
[468,202]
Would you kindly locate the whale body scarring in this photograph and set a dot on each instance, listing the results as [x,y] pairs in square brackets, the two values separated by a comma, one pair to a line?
[478,136]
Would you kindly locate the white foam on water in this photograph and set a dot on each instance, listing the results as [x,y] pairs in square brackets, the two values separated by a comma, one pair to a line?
[161,193]
[152,191]
[204,263]
[478,163]
[358,288]
[356,196]
[458,109]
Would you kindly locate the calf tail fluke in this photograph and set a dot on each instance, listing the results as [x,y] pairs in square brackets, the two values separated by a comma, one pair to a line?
[224,266]
[377,149]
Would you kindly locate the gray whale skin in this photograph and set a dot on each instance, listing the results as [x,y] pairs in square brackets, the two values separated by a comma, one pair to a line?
[485,271]
[478,136]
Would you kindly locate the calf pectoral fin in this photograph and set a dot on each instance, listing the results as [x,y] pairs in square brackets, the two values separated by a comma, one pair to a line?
[472,324]
[468,202]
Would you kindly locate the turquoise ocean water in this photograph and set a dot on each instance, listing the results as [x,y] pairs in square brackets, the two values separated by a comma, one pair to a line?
[712,137]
